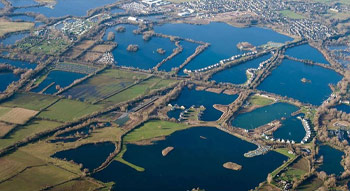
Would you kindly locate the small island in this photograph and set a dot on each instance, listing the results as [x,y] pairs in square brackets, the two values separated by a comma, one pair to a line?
[304,80]
[120,29]
[232,166]
[132,48]
[166,151]
[161,51]
[246,46]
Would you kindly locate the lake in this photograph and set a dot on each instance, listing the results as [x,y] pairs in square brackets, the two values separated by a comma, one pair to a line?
[263,115]
[331,160]
[222,37]
[67,7]
[188,49]
[189,97]
[237,74]
[6,79]
[147,56]
[291,129]
[18,63]
[285,80]
[307,52]
[194,162]
[90,155]
[61,78]
[13,38]
[343,107]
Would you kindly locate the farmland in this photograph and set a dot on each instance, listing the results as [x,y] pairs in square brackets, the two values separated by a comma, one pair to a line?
[8,27]
[17,115]
[68,110]
[30,129]
[102,85]
[31,101]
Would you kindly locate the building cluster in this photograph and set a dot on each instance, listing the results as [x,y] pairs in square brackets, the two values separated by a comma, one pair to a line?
[269,12]
[341,134]
[106,58]
[251,72]
[278,140]
[307,128]
[221,62]
[146,6]
[259,151]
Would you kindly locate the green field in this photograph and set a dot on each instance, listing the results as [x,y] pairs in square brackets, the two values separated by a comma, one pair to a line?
[103,84]
[291,157]
[310,184]
[21,132]
[68,110]
[295,170]
[260,100]
[77,185]
[51,47]
[291,14]
[37,178]
[140,89]
[4,110]
[29,101]
[152,129]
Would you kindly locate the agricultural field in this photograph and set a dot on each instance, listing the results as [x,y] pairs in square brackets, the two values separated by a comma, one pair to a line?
[68,110]
[5,128]
[23,131]
[260,100]
[77,185]
[17,115]
[102,48]
[76,68]
[50,46]
[90,56]
[152,129]
[310,184]
[140,89]
[85,44]
[30,101]
[103,84]
[296,170]
[291,14]
[8,27]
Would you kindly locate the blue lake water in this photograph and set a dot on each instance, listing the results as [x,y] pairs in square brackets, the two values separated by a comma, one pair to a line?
[331,160]
[61,78]
[116,10]
[286,81]
[194,162]
[68,7]
[237,74]
[18,63]
[222,37]
[307,52]
[6,79]
[189,97]
[90,155]
[263,115]
[20,3]
[291,129]
[13,38]
[188,49]
[22,18]
[146,57]
[343,107]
